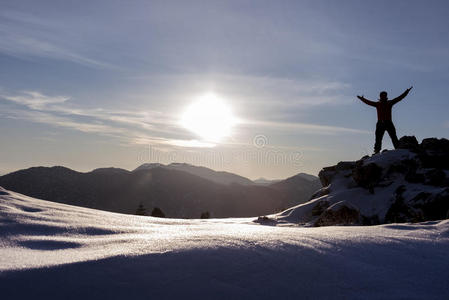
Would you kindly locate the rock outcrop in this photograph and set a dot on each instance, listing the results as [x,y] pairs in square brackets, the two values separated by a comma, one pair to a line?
[409,184]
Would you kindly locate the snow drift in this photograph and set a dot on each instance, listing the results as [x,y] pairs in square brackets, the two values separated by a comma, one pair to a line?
[55,251]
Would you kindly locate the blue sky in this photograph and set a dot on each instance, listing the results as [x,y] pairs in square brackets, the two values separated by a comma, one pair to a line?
[104,83]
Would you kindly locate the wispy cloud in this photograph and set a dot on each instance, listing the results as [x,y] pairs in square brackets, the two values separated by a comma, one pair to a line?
[304,127]
[132,127]
[190,143]
[27,36]
[58,105]
[286,92]
[264,90]
[125,136]
[35,100]
[51,119]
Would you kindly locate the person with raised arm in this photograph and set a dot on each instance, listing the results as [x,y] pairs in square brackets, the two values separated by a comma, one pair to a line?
[384,120]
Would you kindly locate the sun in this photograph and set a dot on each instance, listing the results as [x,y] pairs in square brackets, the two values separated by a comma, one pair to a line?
[209,117]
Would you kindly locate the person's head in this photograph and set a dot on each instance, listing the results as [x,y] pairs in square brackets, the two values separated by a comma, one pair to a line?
[383,96]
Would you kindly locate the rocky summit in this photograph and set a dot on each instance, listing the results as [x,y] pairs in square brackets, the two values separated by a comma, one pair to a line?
[409,184]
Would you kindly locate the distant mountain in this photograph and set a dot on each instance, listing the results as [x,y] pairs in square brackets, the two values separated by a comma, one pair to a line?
[294,187]
[177,192]
[110,169]
[308,176]
[148,166]
[220,177]
[264,181]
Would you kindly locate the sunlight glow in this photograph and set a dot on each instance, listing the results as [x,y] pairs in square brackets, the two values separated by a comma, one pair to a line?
[209,118]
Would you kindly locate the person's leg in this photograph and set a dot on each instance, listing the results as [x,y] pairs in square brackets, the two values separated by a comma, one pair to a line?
[392,133]
[380,130]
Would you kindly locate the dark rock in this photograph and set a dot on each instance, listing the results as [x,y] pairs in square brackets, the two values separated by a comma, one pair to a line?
[404,166]
[434,161]
[331,168]
[414,177]
[408,168]
[408,142]
[367,176]
[436,145]
[434,207]
[385,183]
[321,192]
[345,165]
[421,198]
[435,177]
[341,215]
[319,208]
[399,211]
[435,153]
[326,175]
[265,220]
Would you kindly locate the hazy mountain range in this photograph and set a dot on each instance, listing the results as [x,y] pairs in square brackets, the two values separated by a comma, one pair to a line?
[215,176]
[180,190]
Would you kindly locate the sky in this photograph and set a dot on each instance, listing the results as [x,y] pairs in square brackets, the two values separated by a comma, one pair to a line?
[107,83]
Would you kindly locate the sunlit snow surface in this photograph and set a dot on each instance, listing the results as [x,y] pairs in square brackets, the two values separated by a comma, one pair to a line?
[56,251]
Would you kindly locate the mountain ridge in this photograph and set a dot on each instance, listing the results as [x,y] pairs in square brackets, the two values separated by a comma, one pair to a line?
[221,177]
[178,193]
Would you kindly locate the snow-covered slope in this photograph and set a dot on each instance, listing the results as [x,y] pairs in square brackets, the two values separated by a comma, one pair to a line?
[56,251]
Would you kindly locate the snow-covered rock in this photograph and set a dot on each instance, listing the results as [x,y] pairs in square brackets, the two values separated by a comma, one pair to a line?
[410,184]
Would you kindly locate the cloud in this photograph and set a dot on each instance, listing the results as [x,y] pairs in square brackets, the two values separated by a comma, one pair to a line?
[129,126]
[34,100]
[28,36]
[304,127]
[48,118]
[190,143]
[248,89]
[57,105]
[132,127]
[286,92]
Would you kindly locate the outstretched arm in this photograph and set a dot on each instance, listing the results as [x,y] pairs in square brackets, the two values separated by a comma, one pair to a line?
[402,96]
[364,100]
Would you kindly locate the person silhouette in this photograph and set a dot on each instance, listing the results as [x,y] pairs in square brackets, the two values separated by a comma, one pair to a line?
[384,121]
